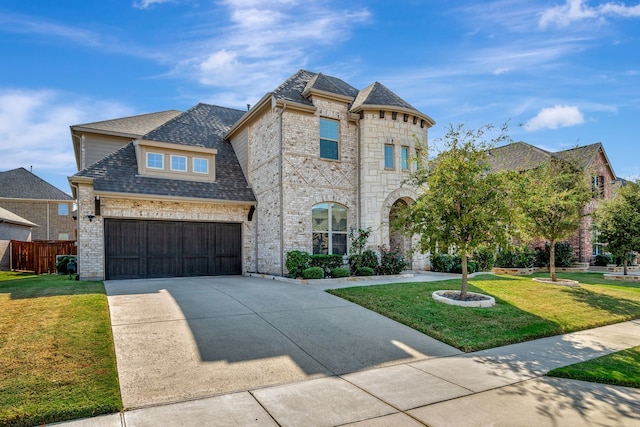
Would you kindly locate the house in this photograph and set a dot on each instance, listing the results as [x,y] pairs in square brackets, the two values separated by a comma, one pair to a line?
[216,190]
[39,202]
[519,156]
[12,227]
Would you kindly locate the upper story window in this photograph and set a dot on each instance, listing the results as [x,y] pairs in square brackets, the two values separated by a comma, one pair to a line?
[329,139]
[329,225]
[388,157]
[405,158]
[155,161]
[63,209]
[200,165]
[597,186]
[178,163]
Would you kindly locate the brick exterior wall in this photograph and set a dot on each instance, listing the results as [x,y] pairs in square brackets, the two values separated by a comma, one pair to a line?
[91,250]
[289,177]
[45,215]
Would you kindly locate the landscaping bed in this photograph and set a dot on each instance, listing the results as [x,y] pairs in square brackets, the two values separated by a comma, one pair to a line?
[524,310]
[57,360]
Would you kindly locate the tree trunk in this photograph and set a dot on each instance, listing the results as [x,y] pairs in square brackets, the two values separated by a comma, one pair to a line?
[624,264]
[463,288]
[552,260]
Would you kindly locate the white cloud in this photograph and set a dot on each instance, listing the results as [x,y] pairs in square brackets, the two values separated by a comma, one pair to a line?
[578,10]
[144,4]
[34,130]
[555,117]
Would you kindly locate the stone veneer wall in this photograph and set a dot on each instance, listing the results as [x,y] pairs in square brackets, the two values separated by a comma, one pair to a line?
[380,187]
[91,233]
[309,179]
[264,176]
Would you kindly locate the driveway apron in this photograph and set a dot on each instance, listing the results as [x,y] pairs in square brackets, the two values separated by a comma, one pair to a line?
[186,338]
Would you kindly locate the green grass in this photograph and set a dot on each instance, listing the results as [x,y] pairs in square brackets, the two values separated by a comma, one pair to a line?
[56,350]
[621,368]
[525,310]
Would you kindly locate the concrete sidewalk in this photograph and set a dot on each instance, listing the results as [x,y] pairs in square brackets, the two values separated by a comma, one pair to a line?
[321,361]
[503,386]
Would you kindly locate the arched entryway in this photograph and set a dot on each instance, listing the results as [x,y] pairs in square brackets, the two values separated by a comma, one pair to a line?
[397,239]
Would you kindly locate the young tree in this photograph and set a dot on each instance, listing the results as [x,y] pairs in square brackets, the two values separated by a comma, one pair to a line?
[618,221]
[462,205]
[549,201]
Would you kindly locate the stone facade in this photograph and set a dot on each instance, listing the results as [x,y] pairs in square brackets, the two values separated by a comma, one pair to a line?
[44,213]
[91,255]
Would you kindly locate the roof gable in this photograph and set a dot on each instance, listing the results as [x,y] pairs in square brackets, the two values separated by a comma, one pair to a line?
[133,125]
[22,184]
[378,94]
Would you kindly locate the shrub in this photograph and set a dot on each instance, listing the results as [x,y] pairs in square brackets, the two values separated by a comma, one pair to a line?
[485,258]
[340,272]
[391,262]
[368,258]
[564,255]
[603,259]
[296,262]
[472,266]
[542,256]
[365,271]
[442,263]
[326,262]
[522,257]
[618,260]
[313,273]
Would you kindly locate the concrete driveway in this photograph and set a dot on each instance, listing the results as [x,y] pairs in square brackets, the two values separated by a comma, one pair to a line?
[184,338]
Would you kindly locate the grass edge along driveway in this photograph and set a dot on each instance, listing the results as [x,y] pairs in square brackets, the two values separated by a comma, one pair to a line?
[525,310]
[57,359]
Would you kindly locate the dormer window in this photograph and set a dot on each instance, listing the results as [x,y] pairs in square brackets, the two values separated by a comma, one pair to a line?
[178,163]
[160,159]
[155,161]
[200,165]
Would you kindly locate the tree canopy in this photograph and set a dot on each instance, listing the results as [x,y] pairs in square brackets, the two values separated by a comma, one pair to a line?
[618,221]
[462,205]
[549,200]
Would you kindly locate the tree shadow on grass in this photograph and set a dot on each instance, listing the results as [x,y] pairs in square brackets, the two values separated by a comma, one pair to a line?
[615,305]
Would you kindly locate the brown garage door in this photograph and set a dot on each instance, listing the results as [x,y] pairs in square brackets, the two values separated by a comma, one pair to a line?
[138,249]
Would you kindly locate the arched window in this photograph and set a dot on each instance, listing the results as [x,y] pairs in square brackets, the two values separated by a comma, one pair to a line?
[329,225]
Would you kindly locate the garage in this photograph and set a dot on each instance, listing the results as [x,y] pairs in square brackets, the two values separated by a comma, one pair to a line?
[140,249]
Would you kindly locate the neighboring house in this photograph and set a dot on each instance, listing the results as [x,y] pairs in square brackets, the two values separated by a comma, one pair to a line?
[222,191]
[12,227]
[592,158]
[34,199]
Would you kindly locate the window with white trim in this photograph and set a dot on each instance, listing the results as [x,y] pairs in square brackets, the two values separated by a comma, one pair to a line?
[329,226]
[200,165]
[155,161]
[329,139]
[178,163]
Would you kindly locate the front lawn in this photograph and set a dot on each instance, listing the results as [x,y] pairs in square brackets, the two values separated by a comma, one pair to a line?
[621,368]
[525,310]
[56,350]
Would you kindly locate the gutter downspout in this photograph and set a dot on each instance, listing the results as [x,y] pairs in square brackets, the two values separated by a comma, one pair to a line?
[359,165]
[281,179]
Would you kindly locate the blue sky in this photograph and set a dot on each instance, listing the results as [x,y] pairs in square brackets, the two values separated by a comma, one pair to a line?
[563,73]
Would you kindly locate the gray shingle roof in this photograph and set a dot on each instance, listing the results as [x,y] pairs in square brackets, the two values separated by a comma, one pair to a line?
[292,88]
[132,125]
[203,125]
[22,184]
[378,94]
[519,156]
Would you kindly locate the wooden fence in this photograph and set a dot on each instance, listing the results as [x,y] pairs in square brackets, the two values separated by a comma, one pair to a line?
[39,256]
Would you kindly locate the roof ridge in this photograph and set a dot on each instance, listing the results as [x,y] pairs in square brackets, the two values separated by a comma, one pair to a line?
[127,117]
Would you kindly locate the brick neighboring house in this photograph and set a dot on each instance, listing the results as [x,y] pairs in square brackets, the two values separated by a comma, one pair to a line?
[222,191]
[12,227]
[592,158]
[34,199]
